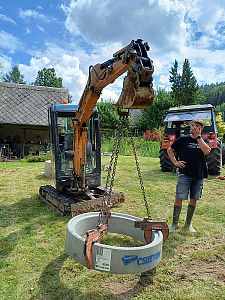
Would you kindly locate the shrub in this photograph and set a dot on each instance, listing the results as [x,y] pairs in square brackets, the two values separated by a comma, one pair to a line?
[37,158]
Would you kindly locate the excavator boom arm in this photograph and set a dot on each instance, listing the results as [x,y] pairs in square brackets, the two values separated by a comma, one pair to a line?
[137,92]
[134,56]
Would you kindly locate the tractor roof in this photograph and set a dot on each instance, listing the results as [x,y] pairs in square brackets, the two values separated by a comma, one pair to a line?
[190,108]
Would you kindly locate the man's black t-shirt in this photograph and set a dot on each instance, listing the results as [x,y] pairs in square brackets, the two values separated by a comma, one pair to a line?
[188,150]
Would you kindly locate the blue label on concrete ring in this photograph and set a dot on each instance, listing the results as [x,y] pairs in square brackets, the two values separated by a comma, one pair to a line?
[128,259]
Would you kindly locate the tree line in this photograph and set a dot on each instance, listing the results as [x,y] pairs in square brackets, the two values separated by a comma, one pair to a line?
[184,91]
[45,77]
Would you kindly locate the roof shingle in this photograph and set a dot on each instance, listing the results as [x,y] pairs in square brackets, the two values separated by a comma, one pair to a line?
[27,104]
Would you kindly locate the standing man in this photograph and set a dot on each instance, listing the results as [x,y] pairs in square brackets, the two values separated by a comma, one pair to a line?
[190,151]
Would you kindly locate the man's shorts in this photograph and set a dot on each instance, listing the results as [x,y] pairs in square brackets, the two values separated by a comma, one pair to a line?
[187,185]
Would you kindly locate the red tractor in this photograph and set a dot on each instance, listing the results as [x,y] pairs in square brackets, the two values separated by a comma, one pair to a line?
[177,122]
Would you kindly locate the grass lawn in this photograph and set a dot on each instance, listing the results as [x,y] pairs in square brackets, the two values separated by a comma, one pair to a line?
[34,264]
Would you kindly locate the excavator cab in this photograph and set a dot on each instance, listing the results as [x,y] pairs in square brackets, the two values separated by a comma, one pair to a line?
[62,136]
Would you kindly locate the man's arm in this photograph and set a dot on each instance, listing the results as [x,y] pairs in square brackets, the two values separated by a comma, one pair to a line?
[177,163]
[196,133]
[204,147]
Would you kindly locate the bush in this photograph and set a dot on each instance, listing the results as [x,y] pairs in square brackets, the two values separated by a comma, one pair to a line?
[37,158]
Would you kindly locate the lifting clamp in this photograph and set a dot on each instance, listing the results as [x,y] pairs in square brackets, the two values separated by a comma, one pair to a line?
[93,236]
[148,225]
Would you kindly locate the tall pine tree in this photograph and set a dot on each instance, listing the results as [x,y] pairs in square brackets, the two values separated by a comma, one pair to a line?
[189,85]
[175,79]
[185,89]
[14,76]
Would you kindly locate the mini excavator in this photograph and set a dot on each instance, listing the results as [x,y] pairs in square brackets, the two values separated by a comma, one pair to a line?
[75,134]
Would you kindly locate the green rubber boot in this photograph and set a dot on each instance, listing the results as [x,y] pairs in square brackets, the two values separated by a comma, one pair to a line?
[190,213]
[176,215]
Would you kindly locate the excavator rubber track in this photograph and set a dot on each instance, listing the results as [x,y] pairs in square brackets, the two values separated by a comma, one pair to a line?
[74,205]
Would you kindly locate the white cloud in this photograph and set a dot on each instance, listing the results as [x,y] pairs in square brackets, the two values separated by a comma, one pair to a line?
[164,79]
[66,66]
[72,65]
[170,27]
[9,42]
[161,23]
[40,28]
[5,63]
[28,31]
[126,20]
[34,14]
[7,19]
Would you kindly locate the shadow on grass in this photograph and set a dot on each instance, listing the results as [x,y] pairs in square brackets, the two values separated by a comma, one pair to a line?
[144,281]
[28,211]
[51,287]
[41,177]
[8,243]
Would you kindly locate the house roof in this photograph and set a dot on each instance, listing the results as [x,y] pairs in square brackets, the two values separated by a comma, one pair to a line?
[27,104]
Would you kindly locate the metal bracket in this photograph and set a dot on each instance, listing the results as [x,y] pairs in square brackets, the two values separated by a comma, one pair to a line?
[92,236]
[148,225]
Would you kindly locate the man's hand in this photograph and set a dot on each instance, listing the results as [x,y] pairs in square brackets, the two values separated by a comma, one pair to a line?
[180,164]
[177,163]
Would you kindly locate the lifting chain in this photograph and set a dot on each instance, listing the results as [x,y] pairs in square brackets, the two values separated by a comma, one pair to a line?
[112,169]
[139,175]
[148,225]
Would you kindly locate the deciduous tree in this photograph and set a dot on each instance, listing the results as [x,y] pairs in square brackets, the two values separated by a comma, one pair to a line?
[108,116]
[47,77]
[152,118]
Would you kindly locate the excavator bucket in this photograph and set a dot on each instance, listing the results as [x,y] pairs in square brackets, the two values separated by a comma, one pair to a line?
[137,90]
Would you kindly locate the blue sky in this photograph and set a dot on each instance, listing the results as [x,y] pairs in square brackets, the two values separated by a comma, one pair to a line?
[70,35]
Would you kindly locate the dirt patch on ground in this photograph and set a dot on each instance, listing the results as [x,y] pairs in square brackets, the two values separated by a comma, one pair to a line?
[127,289]
[3,172]
[200,270]
[203,244]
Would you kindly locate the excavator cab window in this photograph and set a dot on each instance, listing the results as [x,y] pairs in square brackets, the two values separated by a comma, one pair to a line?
[65,136]
[62,138]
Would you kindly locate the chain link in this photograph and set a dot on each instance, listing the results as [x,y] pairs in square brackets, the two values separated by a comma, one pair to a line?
[140,177]
[119,135]
[118,130]
[112,167]
[123,123]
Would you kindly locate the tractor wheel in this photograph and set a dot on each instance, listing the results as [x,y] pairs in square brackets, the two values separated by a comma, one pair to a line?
[165,162]
[214,160]
[223,154]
